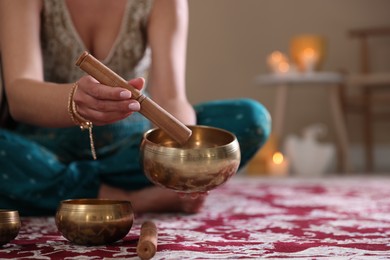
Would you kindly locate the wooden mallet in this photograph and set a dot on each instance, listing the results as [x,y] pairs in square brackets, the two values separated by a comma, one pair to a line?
[157,115]
[147,243]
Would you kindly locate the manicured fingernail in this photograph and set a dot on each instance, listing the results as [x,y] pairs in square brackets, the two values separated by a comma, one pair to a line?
[134,106]
[125,94]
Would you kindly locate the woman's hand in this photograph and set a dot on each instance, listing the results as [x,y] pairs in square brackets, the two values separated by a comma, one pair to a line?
[102,104]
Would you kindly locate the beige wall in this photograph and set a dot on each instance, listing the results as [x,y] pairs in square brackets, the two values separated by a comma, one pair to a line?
[229,41]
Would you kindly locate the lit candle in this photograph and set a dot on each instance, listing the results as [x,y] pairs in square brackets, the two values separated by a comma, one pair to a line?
[278,165]
[278,62]
[283,67]
[309,59]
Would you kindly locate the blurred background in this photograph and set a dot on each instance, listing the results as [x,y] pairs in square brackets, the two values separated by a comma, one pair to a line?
[231,40]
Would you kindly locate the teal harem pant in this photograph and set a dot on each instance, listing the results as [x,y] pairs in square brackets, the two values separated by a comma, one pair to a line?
[39,167]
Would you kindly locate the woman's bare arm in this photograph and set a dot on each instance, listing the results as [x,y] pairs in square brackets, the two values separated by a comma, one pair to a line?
[36,102]
[29,99]
[167,32]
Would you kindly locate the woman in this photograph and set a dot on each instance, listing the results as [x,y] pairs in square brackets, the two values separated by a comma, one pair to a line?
[45,158]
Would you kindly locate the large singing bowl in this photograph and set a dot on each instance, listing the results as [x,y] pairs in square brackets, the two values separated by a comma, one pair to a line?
[94,221]
[209,158]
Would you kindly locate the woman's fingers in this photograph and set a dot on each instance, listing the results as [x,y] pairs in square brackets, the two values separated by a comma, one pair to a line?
[103,92]
[138,83]
[103,118]
[103,104]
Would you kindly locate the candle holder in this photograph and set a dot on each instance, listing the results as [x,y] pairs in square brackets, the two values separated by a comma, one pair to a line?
[308,51]
[279,165]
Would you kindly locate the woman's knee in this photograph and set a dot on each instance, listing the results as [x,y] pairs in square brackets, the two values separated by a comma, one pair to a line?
[258,120]
[256,111]
[245,117]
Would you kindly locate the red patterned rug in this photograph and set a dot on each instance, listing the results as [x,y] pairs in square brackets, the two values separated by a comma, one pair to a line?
[334,218]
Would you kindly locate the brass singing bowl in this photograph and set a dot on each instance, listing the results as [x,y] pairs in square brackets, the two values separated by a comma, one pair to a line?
[209,158]
[94,221]
[9,225]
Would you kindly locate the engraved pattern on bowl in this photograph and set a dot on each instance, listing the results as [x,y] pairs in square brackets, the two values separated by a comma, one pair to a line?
[94,221]
[209,158]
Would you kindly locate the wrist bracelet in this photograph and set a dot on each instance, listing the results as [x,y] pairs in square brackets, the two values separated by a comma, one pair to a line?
[79,120]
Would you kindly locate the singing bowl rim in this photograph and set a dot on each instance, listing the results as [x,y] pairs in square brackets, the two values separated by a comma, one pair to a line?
[9,216]
[91,202]
[229,146]
[80,206]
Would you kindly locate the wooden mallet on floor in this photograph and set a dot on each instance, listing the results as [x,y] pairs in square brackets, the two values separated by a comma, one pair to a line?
[147,243]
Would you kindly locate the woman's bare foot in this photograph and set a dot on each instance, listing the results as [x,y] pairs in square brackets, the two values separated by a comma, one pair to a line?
[155,199]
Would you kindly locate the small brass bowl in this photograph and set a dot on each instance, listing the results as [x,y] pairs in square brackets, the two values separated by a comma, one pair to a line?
[9,225]
[94,221]
[209,158]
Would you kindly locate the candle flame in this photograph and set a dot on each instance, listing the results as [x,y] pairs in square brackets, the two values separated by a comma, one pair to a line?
[277,158]
[309,52]
[283,66]
[277,56]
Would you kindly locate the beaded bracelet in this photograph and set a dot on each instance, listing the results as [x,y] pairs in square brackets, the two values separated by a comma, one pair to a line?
[79,120]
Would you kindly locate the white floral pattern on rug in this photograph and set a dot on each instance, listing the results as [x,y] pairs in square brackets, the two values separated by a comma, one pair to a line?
[342,218]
